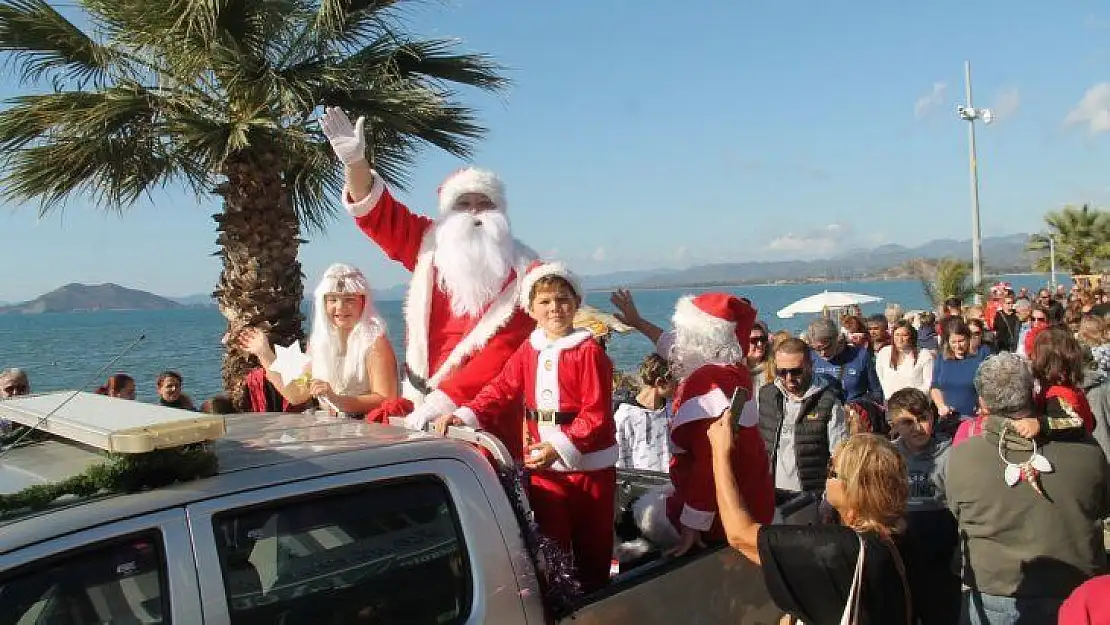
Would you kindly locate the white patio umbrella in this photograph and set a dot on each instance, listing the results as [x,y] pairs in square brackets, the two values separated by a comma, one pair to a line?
[826,300]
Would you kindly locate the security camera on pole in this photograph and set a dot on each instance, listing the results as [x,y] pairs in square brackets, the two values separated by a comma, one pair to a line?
[970,114]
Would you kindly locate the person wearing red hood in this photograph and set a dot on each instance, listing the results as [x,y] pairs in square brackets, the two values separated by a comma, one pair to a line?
[564,380]
[462,317]
[711,334]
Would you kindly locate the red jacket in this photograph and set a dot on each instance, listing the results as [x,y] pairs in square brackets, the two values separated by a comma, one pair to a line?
[570,375]
[699,400]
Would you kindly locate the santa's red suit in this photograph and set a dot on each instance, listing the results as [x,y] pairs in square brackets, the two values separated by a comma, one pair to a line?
[450,357]
[698,401]
[567,382]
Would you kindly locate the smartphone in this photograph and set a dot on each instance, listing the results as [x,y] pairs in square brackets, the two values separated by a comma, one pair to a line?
[736,405]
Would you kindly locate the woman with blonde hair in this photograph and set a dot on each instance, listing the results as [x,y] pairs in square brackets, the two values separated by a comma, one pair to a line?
[816,573]
[352,367]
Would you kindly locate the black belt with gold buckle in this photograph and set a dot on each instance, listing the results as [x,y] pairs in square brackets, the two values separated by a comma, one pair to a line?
[556,417]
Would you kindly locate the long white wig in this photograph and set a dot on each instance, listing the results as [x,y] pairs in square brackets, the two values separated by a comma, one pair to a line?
[342,365]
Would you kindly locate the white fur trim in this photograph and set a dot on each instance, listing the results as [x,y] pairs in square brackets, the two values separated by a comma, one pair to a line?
[689,317]
[468,417]
[472,180]
[707,406]
[649,511]
[544,270]
[570,459]
[418,307]
[434,406]
[540,342]
[366,204]
[696,519]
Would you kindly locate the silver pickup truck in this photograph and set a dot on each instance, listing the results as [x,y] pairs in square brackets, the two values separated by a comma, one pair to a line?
[320,521]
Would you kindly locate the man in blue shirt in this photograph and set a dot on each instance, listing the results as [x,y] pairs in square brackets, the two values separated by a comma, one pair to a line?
[849,365]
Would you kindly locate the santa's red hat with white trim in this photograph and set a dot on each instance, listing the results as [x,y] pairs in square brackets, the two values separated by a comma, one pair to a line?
[721,317]
[541,269]
[472,180]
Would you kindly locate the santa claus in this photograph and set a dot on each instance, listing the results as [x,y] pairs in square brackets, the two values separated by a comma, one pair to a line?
[707,353]
[462,314]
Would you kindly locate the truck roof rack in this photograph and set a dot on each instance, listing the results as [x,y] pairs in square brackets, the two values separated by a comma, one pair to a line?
[111,424]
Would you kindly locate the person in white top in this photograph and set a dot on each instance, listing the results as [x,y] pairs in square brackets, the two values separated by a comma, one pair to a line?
[352,367]
[902,364]
[642,427]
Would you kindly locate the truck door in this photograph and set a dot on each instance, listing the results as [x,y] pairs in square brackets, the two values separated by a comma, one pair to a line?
[135,571]
[405,543]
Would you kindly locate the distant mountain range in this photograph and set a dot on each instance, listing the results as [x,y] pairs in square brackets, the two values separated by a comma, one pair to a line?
[86,297]
[1000,255]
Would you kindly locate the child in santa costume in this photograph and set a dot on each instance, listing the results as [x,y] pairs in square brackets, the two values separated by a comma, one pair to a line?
[710,341]
[565,381]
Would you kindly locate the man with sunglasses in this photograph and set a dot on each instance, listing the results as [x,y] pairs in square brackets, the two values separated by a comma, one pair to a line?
[801,419]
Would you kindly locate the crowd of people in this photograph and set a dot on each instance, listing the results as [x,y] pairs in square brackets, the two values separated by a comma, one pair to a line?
[930,467]
[168,385]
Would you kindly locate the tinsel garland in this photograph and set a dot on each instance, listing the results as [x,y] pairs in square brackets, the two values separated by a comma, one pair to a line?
[559,585]
[119,473]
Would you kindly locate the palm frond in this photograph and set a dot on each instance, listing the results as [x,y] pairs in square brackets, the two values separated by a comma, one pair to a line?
[434,59]
[45,42]
[341,24]
[113,171]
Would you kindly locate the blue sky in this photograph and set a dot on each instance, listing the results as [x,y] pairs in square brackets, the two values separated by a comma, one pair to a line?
[642,135]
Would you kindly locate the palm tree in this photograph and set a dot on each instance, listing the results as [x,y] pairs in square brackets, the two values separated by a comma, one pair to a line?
[945,278]
[221,95]
[1082,238]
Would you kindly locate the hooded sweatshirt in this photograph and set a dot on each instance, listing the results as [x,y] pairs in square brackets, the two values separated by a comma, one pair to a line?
[1016,541]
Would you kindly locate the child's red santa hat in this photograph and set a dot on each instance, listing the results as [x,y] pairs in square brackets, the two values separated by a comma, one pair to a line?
[721,317]
[472,180]
[542,270]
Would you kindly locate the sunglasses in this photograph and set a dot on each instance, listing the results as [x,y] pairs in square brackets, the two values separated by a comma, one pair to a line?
[18,388]
[757,339]
[795,371]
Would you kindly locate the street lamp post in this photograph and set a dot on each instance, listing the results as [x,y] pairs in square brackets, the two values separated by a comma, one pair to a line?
[1052,257]
[970,114]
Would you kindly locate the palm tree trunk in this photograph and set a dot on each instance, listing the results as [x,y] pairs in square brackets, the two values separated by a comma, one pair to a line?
[260,284]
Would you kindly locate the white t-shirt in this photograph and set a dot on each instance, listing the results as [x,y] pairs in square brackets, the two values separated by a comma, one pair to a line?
[909,373]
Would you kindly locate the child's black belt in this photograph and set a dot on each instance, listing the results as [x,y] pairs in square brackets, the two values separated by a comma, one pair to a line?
[550,417]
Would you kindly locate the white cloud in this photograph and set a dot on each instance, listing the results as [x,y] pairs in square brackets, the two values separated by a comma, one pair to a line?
[598,255]
[1093,110]
[823,240]
[1006,103]
[926,103]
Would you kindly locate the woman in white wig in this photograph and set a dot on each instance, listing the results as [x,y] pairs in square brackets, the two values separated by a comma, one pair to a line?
[353,368]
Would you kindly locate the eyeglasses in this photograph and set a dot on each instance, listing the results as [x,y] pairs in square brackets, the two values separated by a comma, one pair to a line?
[796,372]
[831,470]
[16,388]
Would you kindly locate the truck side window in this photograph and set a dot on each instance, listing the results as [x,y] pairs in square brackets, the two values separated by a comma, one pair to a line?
[118,582]
[387,553]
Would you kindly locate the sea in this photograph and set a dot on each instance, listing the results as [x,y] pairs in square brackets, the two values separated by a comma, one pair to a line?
[80,350]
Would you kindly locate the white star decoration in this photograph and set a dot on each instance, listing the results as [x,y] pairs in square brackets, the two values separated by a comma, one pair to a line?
[290,363]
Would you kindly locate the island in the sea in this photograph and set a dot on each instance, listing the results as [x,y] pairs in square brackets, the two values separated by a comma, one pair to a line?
[88,297]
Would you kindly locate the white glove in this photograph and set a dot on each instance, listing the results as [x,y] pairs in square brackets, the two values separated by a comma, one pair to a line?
[435,405]
[349,142]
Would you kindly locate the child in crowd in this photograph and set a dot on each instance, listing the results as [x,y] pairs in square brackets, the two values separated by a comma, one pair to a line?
[169,385]
[642,424]
[929,523]
[1058,367]
[119,385]
[565,381]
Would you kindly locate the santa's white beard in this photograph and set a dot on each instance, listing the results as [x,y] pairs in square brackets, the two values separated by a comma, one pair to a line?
[692,350]
[473,257]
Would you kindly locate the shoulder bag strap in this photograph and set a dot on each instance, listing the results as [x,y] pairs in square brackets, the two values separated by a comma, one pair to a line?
[901,566]
[851,607]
